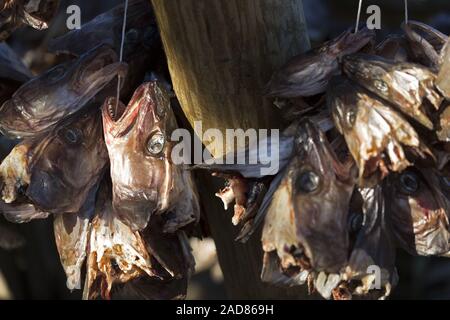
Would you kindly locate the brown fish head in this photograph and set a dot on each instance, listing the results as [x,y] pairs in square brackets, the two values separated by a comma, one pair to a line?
[376,135]
[417,212]
[404,85]
[308,74]
[137,137]
[69,162]
[43,101]
[306,222]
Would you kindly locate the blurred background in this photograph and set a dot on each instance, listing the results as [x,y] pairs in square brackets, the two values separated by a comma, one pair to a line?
[34,271]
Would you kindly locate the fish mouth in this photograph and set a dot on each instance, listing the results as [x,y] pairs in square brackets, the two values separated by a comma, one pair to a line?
[435,37]
[118,118]
[353,42]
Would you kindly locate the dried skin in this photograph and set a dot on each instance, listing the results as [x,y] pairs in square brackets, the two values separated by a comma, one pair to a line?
[116,253]
[374,246]
[145,181]
[71,237]
[308,74]
[444,124]
[419,212]
[443,79]
[42,102]
[375,133]
[405,85]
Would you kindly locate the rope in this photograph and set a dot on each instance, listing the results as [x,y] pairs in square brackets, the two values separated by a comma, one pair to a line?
[359,16]
[122,44]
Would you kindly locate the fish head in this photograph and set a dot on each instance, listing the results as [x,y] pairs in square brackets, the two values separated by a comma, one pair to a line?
[322,187]
[418,212]
[371,71]
[70,160]
[61,91]
[137,137]
[306,222]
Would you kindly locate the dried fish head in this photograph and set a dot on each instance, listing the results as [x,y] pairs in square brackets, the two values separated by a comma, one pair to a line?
[418,212]
[306,221]
[67,163]
[308,74]
[45,100]
[145,181]
[405,85]
[376,135]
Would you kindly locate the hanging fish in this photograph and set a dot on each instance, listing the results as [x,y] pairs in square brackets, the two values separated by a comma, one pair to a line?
[118,255]
[142,45]
[67,161]
[371,268]
[425,42]
[376,135]
[308,74]
[72,237]
[42,102]
[145,181]
[405,85]
[419,213]
[306,218]
[35,13]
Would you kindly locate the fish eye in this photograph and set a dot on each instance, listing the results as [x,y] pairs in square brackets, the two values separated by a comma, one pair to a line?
[409,182]
[351,118]
[57,73]
[156,143]
[381,85]
[307,182]
[72,135]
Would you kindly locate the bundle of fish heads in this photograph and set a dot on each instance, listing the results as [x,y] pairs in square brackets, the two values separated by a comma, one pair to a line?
[364,166]
[121,208]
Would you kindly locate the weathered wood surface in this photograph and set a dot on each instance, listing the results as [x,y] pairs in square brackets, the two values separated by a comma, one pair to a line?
[221,54]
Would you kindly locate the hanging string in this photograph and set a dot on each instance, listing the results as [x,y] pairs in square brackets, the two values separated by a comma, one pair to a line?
[358,16]
[406,12]
[122,44]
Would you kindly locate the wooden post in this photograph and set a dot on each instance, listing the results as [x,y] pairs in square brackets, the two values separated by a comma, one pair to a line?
[221,53]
